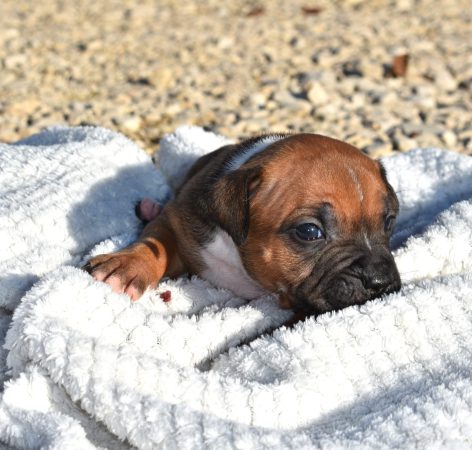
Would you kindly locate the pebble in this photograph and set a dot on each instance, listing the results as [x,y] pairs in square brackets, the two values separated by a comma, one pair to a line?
[131,124]
[317,94]
[379,149]
[147,69]
[403,143]
[14,61]
[449,138]
[445,80]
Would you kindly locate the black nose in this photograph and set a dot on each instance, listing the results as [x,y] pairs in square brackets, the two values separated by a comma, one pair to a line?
[380,276]
[379,281]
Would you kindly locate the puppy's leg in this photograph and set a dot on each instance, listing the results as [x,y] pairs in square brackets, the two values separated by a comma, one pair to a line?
[142,264]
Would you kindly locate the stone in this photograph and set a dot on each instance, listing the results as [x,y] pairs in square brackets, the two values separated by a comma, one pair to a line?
[317,94]
[258,99]
[449,138]
[132,123]
[404,143]
[14,61]
[292,103]
[400,65]
[379,149]
[280,69]
[444,80]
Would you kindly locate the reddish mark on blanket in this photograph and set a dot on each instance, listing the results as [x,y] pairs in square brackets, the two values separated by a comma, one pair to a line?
[166,296]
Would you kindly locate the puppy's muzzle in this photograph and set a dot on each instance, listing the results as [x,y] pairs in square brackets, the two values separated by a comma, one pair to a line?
[349,276]
[379,275]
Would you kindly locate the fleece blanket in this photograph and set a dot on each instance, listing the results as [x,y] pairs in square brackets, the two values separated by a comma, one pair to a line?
[84,367]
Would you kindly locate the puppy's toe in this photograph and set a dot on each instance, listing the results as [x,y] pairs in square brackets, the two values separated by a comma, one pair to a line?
[134,291]
[102,266]
[115,281]
[124,272]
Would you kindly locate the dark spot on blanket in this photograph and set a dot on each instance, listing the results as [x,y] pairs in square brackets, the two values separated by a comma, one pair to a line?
[166,296]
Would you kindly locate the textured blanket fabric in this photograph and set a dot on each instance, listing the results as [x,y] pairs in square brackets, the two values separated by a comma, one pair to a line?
[90,369]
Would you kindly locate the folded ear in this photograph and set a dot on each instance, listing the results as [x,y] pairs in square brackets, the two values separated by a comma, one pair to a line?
[229,202]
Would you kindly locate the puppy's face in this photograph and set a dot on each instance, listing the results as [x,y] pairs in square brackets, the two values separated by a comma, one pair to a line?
[321,214]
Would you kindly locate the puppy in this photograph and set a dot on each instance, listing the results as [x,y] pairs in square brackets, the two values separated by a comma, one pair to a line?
[303,216]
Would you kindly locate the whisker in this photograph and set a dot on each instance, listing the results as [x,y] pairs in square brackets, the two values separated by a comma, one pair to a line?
[411,272]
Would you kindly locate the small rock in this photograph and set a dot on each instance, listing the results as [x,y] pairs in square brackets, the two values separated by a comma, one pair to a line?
[448,99]
[357,100]
[352,69]
[379,149]
[444,80]
[311,10]
[225,42]
[24,107]
[372,69]
[132,123]
[13,61]
[256,11]
[404,5]
[404,144]
[258,99]
[162,78]
[291,103]
[449,138]
[400,65]
[425,102]
[412,129]
[317,94]
[427,139]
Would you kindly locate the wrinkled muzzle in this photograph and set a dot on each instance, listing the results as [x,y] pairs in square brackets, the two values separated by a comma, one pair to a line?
[346,275]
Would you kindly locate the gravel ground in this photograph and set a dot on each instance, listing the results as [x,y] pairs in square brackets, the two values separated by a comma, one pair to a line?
[241,68]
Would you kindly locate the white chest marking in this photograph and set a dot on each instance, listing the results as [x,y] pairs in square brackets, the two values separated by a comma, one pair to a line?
[224,267]
[254,149]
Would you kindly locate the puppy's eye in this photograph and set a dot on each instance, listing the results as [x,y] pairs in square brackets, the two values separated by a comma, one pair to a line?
[389,223]
[309,232]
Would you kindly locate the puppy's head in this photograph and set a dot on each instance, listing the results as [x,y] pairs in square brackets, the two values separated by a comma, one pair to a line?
[312,218]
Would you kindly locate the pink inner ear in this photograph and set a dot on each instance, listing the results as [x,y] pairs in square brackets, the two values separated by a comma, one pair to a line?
[149,209]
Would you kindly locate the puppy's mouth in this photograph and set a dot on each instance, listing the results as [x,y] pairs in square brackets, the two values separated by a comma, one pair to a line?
[344,294]
[364,278]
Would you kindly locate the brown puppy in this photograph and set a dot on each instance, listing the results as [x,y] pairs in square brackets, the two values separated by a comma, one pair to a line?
[303,216]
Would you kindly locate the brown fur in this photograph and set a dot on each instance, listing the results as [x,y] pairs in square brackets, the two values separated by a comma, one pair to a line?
[303,172]
[258,205]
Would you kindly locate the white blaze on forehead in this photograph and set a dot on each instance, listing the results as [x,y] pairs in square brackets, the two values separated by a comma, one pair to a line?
[358,187]
[254,149]
[357,183]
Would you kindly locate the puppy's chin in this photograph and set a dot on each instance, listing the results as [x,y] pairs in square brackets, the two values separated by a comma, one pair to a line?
[333,300]
[355,280]
[343,291]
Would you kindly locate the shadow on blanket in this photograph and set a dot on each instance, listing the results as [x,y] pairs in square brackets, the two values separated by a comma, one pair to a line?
[446,194]
[93,219]
[368,416]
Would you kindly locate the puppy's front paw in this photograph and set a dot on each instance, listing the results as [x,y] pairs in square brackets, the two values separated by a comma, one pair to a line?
[126,272]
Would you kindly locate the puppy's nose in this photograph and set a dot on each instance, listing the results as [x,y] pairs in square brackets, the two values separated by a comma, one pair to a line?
[380,276]
[378,280]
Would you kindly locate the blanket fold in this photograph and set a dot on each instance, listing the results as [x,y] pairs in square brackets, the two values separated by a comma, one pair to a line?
[209,369]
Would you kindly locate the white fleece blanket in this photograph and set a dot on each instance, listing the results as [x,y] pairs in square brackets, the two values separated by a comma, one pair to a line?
[89,369]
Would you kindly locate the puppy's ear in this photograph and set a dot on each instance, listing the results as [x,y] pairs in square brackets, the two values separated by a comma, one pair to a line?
[229,202]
